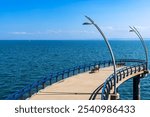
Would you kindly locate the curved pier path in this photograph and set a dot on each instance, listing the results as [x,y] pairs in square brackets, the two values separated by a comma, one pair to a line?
[79,83]
[81,86]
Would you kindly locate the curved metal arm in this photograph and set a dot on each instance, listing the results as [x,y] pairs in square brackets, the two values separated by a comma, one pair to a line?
[143,43]
[109,47]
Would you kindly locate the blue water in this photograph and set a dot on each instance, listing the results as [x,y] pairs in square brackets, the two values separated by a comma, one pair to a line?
[23,62]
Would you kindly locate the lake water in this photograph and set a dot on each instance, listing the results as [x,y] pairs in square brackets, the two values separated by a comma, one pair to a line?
[23,62]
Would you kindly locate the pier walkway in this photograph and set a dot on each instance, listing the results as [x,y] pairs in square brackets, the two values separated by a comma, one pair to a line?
[80,86]
[78,83]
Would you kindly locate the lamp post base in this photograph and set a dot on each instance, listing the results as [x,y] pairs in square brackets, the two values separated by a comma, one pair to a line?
[114,96]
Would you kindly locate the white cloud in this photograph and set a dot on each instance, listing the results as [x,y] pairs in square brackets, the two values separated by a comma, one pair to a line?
[19,33]
[109,31]
[143,28]
[54,32]
[69,31]
[27,33]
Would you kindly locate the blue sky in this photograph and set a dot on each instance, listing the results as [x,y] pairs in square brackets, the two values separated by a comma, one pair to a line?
[62,19]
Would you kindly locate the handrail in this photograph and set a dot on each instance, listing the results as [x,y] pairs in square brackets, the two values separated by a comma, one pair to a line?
[29,90]
[33,88]
[121,74]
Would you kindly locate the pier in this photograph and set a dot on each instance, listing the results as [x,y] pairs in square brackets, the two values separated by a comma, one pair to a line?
[78,83]
[77,87]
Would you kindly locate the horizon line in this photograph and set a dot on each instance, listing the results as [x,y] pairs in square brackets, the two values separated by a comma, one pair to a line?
[83,39]
[110,39]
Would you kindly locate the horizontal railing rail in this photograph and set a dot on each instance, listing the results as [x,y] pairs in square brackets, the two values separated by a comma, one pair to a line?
[121,74]
[33,88]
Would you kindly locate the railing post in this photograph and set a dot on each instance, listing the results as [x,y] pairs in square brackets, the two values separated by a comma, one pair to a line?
[111,84]
[68,72]
[135,69]
[131,70]
[56,77]
[73,71]
[139,68]
[50,79]
[127,71]
[117,78]
[104,63]
[120,75]
[84,68]
[43,85]
[30,92]
[79,69]
[37,88]
[62,75]
[89,67]
[109,63]
[124,74]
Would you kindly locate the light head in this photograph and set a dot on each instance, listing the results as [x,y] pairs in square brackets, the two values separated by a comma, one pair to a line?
[87,23]
[131,30]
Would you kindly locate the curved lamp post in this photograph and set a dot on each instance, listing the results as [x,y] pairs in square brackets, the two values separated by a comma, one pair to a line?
[108,45]
[133,29]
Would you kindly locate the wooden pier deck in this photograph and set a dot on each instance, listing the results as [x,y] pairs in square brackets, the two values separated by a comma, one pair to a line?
[78,87]
[78,83]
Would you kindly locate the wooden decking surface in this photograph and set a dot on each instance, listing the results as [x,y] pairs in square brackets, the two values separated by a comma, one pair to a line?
[78,87]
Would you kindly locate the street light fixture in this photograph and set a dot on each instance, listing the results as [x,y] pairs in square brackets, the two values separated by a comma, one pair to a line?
[133,29]
[109,47]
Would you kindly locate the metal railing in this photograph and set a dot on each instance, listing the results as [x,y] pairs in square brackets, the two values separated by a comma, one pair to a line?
[33,88]
[121,74]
